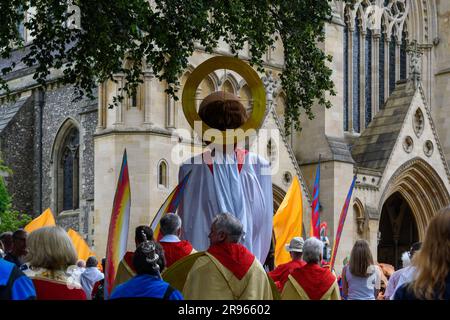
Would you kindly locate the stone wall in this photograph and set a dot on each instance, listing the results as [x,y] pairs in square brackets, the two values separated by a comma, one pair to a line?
[58,107]
[16,145]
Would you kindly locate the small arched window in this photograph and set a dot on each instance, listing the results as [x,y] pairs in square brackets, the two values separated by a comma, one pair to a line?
[162,174]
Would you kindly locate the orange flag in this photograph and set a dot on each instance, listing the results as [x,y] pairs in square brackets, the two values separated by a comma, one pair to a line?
[46,219]
[80,245]
[287,222]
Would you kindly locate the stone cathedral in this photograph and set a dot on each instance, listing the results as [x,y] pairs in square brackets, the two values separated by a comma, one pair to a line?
[388,125]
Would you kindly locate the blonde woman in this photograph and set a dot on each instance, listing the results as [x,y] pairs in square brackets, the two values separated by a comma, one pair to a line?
[50,257]
[361,278]
[432,263]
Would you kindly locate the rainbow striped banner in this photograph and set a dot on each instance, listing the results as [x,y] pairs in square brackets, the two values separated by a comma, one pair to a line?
[341,224]
[315,216]
[170,205]
[118,227]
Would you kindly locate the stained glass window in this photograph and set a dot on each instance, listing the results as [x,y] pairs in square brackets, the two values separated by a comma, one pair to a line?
[356,76]
[346,48]
[392,45]
[381,70]
[70,171]
[403,55]
[368,76]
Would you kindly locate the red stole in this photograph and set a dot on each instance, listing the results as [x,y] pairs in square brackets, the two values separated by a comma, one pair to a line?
[128,260]
[240,155]
[174,251]
[56,290]
[314,279]
[280,274]
[234,256]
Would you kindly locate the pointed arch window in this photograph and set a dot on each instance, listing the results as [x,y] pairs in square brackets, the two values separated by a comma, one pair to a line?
[356,75]
[381,66]
[368,77]
[403,55]
[346,87]
[392,45]
[374,59]
[162,174]
[68,172]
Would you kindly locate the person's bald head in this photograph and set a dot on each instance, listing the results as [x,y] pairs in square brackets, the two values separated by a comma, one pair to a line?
[222,110]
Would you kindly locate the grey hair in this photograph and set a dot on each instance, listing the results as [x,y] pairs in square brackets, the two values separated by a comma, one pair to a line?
[227,223]
[170,223]
[312,250]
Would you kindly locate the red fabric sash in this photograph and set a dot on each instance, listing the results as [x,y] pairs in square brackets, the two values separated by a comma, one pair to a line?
[234,256]
[240,155]
[128,260]
[314,279]
[174,251]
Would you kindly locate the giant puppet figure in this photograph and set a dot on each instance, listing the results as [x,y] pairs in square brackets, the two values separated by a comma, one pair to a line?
[225,177]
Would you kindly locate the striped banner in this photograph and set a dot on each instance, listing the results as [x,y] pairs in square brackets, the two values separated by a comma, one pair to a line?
[169,206]
[315,216]
[118,227]
[341,224]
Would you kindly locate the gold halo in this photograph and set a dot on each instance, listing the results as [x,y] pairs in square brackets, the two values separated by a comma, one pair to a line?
[253,81]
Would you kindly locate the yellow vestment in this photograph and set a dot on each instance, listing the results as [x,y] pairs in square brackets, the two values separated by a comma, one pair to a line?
[208,279]
[293,291]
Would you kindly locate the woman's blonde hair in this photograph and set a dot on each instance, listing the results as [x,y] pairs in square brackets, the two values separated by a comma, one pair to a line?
[50,248]
[360,259]
[432,261]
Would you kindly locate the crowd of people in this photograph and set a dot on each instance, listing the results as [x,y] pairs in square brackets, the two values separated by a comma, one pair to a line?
[44,265]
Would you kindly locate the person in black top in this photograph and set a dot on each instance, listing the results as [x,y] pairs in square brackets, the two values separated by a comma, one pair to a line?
[432,263]
[19,248]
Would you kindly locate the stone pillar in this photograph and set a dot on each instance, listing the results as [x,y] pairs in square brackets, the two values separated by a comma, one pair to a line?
[148,86]
[101,116]
[119,121]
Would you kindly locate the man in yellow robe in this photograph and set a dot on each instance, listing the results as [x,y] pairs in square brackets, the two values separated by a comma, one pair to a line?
[312,281]
[228,270]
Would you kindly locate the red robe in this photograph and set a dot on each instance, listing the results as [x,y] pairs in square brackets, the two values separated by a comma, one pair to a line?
[280,274]
[47,289]
[314,280]
[174,251]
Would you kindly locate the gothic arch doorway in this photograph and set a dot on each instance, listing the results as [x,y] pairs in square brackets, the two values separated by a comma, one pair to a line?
[418,190]
[397,230]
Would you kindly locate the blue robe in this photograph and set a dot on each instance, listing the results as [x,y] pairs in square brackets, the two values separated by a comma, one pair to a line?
[14,284]
[144,286]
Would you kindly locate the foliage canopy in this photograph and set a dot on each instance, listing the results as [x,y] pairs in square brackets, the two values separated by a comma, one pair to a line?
[163,35]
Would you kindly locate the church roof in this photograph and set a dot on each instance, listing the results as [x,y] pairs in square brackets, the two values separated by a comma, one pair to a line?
[8,111]
[376,143]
